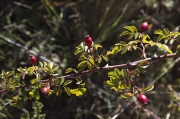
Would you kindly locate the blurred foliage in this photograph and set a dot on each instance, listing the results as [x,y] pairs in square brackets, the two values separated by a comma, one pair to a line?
[53,29]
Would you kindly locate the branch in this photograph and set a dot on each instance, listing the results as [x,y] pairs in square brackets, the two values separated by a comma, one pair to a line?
[106,68]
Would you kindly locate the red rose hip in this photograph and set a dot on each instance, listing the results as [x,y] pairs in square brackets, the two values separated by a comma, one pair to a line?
[33,60]
[45,89]
[88,40]
[143,99]
[144,26]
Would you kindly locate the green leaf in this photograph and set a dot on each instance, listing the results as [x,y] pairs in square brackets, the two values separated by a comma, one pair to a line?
[33,81]
[144,39]
[109,53]
[99,59]
[67,82]
[91,60]
[89,65]
[61,81]
[117,72]
[82,57]
[82,65]
[17,75]
[165,47]
[115,50]
[38,77]
[124,50]
[136,35]
[159,31]
[131,28]
[112,75]
[57,90]
[78,91]
[166,31]
[79,49]
[50,66]
[69,70]
[9,73]
[149,88]
[68,91]
[124,33]
[41,64]
[55,68]
[127,95]
[105,57]
[108,83]
[160,37]
[30,70]
[96,46]
[37,96]
[20,69]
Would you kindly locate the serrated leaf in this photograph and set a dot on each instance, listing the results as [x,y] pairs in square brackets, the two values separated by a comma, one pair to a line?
[31,93]
[159,31]
[79,81]
[61,81]
[9,73]
[69,70]
[124,50]
[67,82]
[131,28]
[166,31]
[50,66]
[96,46]
[55,68]
[160,37]
[78,91]
[127,95]
[115,50]
[37,96]
[33,81]
[136,35]
[82,57]
[79,49]
[149,88]
[81,64]
[30,70]
[17,75]
[89,65]
[20,69]
[165,47]
[105,58]
[109,53]
[41,64]
[91,60]
[68,91]
[112,75]
[117,72]
[124,33]
[108,83]
[58,91]
[38,77]
[99,59]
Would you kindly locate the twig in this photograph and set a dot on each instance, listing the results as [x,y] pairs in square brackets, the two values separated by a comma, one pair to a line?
[24,48]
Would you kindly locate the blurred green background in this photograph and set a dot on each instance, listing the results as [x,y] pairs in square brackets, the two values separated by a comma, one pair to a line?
[51,29]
